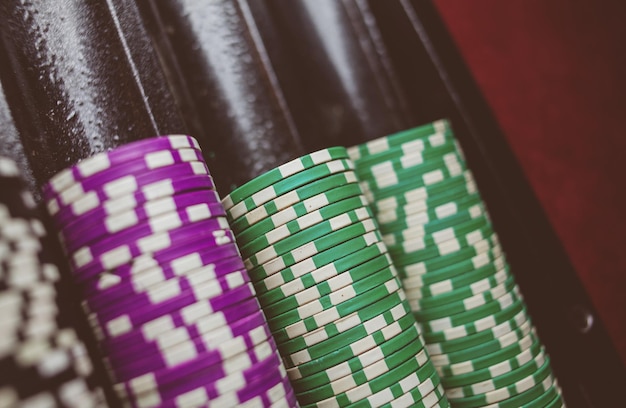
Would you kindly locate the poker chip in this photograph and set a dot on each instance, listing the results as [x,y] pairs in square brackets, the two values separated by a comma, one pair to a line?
[458,283]
[43,361]
[332,297]
[162,281]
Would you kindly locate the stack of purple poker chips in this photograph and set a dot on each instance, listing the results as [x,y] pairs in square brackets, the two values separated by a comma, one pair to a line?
[162,281]
[43,362]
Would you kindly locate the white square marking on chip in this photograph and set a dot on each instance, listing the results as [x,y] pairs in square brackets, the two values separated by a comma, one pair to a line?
[186,263]
[72,193]
[154,243]
[166,291]
[377,146]
[414,159]
[336,166]
[188,155]
[414,146]
[433,177]
[119,326]
[82,257]
[158,159]
[122,221]
[158,326]
[193,398]
[291,168]
[116,257]
[124,185]
[94,165]
[179,141]
[159,189]
[165,222]
[320,156]
[161,206]
[198,168]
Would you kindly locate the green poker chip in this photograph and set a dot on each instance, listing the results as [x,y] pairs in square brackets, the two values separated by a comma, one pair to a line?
[414,227]
[407,194]
[350,336]
[405,160]
[506,392]
[396,390]
[311,248]
[466,304]
[344,179]
[519,322]
[436,171]
[358,279]
[435,209]
[528,342]
[491,260]
[442,242]
[300,209]
[414,398]
[359,347]
[420,291]
[550,399]
[352,380]
[287,238]
[467,291]
[334,305]
[433,134]
[471,315]
[289,184]
[488,373]
[474,327]
[412,268]
[302,336]
[499,381]
[418,366]
[320,268]
[286,170]
[358,362]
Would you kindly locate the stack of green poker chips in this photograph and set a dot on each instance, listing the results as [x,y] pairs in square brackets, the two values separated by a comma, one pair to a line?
[328,288]
[454,273]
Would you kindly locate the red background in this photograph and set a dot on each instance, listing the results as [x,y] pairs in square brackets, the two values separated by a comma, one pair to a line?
[554,73]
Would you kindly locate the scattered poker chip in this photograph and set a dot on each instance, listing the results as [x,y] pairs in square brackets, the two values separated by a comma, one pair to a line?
[43,362]
[324,278]
[162,281]
[455,275]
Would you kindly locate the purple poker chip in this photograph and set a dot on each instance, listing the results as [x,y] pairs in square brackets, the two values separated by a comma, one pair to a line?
[81,252]
[148,271]
[163,222]
[204,372]
[187,350]
[201,283]
[213,231]
[202,336]
[148,280]
[103,162]
[262,370]
[218,380]
[103,223]
[149,162]
[273,394]
[187,317]
[261,385]
[289,400]
[143,239]
[91,206]
[114,322]
[130,183]
[171,257]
